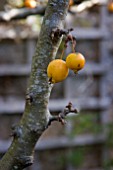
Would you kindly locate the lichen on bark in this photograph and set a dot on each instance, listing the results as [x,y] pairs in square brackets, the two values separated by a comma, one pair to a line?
[35,117]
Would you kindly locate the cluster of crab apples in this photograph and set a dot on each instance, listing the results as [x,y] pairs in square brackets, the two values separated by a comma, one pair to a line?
[58,69]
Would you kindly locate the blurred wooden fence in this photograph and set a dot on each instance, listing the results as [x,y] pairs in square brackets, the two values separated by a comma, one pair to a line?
[90,91]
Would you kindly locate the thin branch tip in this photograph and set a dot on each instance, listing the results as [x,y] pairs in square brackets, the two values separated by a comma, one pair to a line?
[62,115]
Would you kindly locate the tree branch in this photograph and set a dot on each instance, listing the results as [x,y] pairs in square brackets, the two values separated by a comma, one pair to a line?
[86,5]
[21,13]
[35,117]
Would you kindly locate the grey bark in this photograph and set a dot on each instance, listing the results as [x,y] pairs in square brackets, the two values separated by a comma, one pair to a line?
[35,117]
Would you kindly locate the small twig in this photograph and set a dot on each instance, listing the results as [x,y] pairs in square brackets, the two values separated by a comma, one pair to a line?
[56,32]
[61,116]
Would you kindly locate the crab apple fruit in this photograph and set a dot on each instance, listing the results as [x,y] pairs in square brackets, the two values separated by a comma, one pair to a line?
[30,3]
[71,2]
[57,71]
[75,61]
[110,7]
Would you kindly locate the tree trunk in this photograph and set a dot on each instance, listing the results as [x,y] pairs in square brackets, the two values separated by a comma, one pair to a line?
[35,117]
